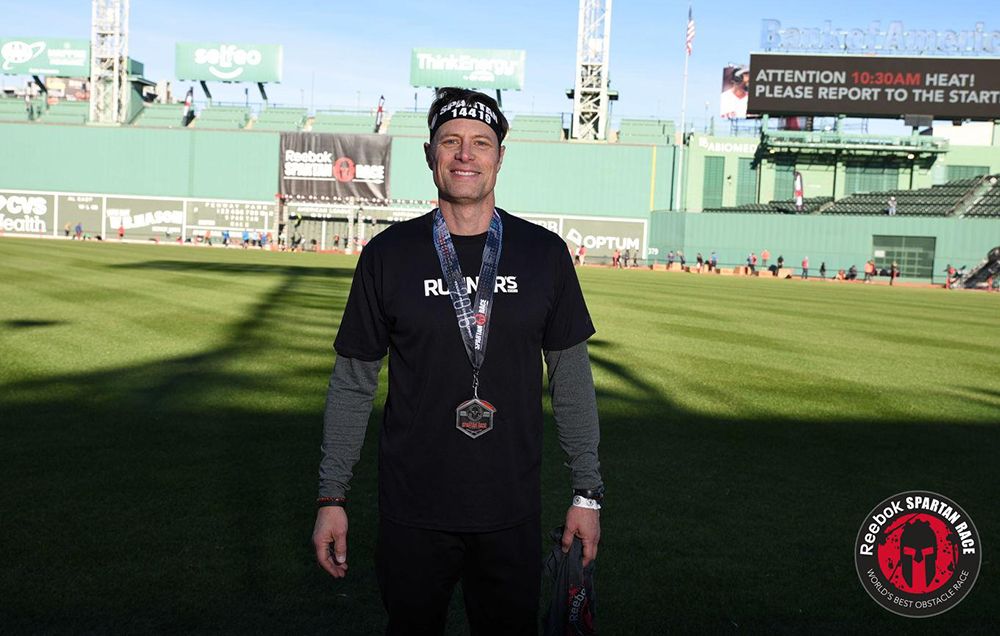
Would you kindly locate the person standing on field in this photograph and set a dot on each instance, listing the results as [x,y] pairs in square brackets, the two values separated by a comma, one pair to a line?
[460,440]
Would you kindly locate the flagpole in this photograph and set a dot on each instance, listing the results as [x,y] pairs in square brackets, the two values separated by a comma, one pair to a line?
[679,175]
[680,160]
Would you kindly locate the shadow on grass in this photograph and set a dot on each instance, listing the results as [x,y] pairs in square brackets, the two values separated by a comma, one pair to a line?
[30,324]
[176,496]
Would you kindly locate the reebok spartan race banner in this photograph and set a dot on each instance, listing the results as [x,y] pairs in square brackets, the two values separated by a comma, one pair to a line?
[320,167]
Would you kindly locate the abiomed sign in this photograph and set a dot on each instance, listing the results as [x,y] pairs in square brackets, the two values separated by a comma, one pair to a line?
[40,56]
[228,62]
[501,69]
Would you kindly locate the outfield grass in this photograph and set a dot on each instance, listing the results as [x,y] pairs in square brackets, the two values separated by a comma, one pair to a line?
[161,416]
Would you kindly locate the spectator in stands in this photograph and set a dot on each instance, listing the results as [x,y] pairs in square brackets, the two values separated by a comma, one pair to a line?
[805,267]
[891,206]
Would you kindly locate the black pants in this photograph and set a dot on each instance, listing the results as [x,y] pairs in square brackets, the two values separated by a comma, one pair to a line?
[500,572]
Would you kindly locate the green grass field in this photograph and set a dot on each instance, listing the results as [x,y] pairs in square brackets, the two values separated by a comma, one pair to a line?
[161,417]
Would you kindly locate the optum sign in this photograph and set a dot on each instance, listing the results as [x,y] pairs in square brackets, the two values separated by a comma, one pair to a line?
[228,62]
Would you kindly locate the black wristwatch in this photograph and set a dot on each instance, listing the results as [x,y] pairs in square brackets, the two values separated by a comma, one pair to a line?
[597,494]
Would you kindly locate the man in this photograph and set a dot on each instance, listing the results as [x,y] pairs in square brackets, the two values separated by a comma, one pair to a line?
[733,102]
[805,267]
[460,441]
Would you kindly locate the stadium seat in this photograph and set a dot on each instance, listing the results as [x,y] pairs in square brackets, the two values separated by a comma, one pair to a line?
[938,200]
[340,122]
[14,110]
[536,128]
[160,116]
[280,119]
[408,123]
[646,131]
[222,117]
[66,112]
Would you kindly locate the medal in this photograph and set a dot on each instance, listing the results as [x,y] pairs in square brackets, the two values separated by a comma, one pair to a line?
[473,417]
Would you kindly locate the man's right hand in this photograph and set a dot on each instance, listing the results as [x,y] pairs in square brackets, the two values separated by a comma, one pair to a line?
[330,540]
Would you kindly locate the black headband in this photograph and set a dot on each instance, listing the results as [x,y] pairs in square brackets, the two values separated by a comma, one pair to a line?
[468,109]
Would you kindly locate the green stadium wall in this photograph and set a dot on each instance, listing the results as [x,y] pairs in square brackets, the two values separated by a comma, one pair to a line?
[605,180]
[840,241]
[610,181]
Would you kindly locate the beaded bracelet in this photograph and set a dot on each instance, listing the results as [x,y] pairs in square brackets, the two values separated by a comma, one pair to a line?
[324,502]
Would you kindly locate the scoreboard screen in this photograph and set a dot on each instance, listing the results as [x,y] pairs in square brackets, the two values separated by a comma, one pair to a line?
[867,86]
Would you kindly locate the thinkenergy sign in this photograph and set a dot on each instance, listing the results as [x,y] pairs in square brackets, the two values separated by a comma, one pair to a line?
[468,68]
[944,88]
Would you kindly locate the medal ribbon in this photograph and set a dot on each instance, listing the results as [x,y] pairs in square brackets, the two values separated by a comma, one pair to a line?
[472,312]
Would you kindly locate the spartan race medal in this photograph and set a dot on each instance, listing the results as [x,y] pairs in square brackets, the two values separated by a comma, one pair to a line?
[473,417]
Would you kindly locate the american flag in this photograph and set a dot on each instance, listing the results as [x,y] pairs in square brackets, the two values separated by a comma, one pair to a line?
[378,113]
[188,99]
[689,44]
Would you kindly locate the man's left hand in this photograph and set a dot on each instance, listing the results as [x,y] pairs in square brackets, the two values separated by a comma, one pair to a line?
[586,524]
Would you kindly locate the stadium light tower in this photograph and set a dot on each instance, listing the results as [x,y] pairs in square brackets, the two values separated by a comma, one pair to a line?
[593,46]
[109,89]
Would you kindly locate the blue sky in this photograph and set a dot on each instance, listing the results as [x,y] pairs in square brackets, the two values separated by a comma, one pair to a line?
[341,53]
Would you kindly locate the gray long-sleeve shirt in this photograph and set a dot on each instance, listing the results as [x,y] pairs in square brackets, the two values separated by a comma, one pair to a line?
[352,389]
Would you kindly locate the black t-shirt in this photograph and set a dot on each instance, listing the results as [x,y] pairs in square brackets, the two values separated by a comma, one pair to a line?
[431,474]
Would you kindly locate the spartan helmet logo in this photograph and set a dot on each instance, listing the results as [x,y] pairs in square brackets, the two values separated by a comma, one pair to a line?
[918,554]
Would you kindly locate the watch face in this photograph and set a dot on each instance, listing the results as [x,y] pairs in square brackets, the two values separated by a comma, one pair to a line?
[591,493]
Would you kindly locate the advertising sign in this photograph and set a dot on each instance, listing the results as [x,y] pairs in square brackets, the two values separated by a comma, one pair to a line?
[327,167]
[27,213]
[230,215]
[228,62]
[944,88]
[145,218]
[871,38]
[601,236]
[501,69]
[735,90]
[45,56]
[85,210]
